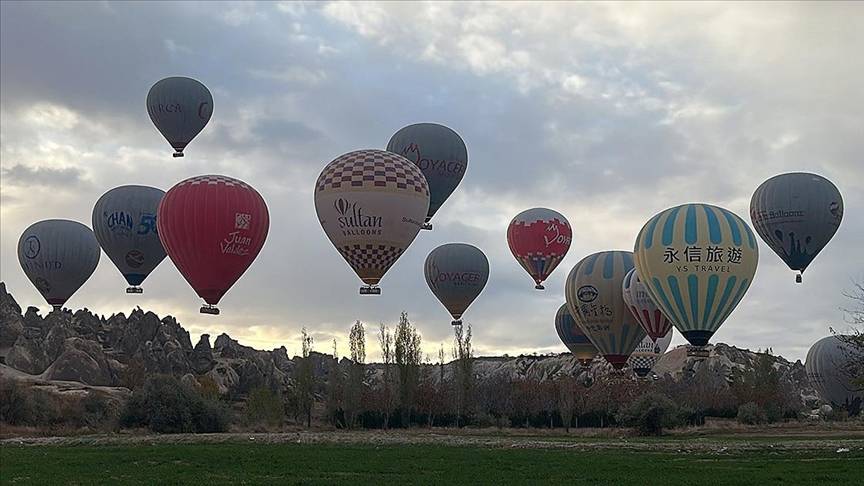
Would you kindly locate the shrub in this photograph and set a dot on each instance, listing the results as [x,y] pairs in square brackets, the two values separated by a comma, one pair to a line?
[15,406]
[264,407]
[165,405]
[650,414]
[751,414]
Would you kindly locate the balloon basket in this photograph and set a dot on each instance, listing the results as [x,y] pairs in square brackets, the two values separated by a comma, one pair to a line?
[177,154]
[134,290]
[370,290]
[540,287]
[426,226]
[457,322]
[697,352]
[798,278]
[209,309]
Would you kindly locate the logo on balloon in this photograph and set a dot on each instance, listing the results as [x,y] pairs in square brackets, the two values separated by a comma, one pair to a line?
[242,220]
[834,207]
[135,258]
[32,247]
[587,293]
[235,244]
[354,222]
[442,167]
[554,236]
[119,221]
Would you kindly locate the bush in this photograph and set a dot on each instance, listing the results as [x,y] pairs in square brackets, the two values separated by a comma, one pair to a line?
[650,414]
[751,414]
[165,405]
[264,407]
[15,408]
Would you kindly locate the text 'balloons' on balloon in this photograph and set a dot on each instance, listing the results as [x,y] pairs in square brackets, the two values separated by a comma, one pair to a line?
[371,204]
[829,366]
[180,108]
[212,227]
[594,297]
[796,214]
[572,335]
[440,154]
[124,222]
[58,256]
[647,353]
[456,274]
[638,300]
[539,239]
[697,261]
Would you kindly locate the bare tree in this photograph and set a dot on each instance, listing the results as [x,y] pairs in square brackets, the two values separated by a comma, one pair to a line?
[566,400]
[408,356]
[463,354]
[356,373]
[335,390]
[305,377]
[388,390]
[855,339]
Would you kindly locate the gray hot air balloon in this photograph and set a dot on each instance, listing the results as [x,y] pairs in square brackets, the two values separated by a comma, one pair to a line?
[441,155]
[180,108]
[456,273]
[827,368]
[124,221]
[796,214]
[58,256]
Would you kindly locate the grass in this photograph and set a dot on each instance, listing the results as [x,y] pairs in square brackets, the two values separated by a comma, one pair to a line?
[246,463]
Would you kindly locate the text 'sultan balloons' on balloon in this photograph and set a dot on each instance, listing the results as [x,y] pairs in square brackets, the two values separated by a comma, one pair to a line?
[539,239]
[796,214]
[124,221]
[180,108]
[441,155]
[573,337]
[828,369]
[647,353]
[594,297]
[456,274]
[212,227]
[697,261]
[371,204]
[58,256]
[636,296]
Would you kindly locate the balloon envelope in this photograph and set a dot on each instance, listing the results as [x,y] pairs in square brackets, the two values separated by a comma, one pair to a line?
[124,221]
[697,261]
[827,368]
[58,256]
[212,227]
[371,204]
[573,337]
[636,296]
[456,274]
[439,152]
[796,214]
[647,353]
[594,297]
[539,239]
[180,108]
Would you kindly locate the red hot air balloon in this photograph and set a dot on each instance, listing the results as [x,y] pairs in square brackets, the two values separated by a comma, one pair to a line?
[539,239]
[212,227]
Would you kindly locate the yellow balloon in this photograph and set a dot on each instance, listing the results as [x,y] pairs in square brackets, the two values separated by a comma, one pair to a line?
[697,261]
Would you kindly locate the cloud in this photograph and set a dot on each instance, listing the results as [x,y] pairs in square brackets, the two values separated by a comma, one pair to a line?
[20,175]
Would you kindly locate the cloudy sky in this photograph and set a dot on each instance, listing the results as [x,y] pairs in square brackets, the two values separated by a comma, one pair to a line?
[608,113]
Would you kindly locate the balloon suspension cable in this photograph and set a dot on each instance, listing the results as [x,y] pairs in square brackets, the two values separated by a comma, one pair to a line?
[370,290]
[134,290]
[426,226]
[539,287]
[798,278]
[209,309]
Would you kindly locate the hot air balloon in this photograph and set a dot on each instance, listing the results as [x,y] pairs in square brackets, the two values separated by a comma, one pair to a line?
[180,108]
[652,319]
[647,353]
[697,261]
[124,221]
[573,337]
[594,297]
[796,214]
[828,369]
[539,239]
[212,227]
[58,256]
[456,274]
[371,204]
[441,155]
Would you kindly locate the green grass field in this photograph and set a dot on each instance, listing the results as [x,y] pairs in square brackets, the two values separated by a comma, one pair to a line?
[234,463]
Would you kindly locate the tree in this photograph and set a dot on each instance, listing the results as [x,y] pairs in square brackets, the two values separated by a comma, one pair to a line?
[408,356]
[855,317]
[650,414]
[463,354]
[335,390]
[305,377]
[388,390]
[761,385]
[566,400]
[356,373]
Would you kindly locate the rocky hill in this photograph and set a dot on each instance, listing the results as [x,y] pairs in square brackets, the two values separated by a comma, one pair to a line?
[78,350]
